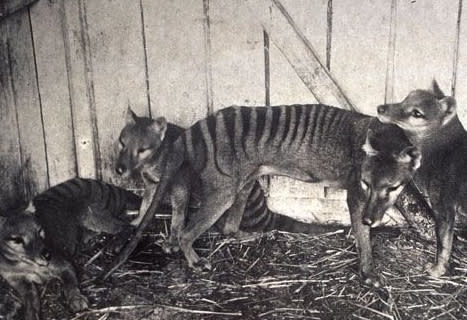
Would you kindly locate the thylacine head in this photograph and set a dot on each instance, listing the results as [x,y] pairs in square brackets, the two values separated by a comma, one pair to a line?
[22,246]
[421,114]
[140,140]
[390,163]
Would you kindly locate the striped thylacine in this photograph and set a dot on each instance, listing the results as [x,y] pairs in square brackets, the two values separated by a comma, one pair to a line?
[229,150]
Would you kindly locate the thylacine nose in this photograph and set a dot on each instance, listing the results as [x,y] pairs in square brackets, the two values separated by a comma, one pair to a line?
[367,221]
[382,109]
[46,254]
[120,169]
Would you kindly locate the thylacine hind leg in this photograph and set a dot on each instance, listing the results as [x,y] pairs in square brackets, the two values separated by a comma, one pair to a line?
[211,209]
[362,237]
[233,216]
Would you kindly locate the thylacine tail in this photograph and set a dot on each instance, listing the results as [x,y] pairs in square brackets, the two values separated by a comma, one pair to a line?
[173,161]
[259,218]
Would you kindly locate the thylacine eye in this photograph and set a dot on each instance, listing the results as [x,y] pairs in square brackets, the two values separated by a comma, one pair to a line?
[16,240]
[141,150]
[417,114]
[394,188]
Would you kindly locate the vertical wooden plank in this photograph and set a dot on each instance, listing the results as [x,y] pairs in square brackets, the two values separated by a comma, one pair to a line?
[461,74]
[46,19]
[11,190]
[237,55]
[80,86]
[360,50]
[117,70]
[425,37]
[28,109]
[286,86]
[176,59]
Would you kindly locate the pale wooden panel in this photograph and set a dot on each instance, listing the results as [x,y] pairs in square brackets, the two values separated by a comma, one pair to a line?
[359,53]
[298,50]
[424,44]
[461,83]
[176,59]
[28,107]
[118,70]
[11,188]
[80,86]
[286,86]
[53,87]
[237,55]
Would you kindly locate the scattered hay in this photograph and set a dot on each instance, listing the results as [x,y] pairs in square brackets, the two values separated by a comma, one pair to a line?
[277,275]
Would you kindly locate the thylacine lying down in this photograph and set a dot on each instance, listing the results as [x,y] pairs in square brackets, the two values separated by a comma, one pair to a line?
[430,120]
[315,143]
[137,142]
[39,244]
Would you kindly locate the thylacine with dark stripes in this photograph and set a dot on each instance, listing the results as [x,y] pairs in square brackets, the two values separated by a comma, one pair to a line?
[38,244]
[138,138]
[77,209]
[228,150]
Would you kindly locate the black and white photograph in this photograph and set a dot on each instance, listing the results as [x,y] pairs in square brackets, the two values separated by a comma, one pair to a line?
[233,159]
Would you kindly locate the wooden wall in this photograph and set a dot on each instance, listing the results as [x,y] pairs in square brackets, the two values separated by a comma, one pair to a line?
[69,68]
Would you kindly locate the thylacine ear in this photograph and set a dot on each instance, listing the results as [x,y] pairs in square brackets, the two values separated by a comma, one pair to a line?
[159,125]
[449,107]
[367,147]
[131,117]
[435,89]
[410,155]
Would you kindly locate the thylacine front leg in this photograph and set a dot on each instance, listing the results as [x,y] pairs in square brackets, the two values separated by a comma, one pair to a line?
[444,224]
[27,290]
[356,204]
[211,209]
[64,270]
[180,192]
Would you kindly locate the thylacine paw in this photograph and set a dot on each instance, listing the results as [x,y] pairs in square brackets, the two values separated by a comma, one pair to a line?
[435,270]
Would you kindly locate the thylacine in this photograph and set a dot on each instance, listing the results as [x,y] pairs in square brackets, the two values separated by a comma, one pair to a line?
[430,120]
[26,262]
[228,150]
[39,244]
[137,141]
[74,211]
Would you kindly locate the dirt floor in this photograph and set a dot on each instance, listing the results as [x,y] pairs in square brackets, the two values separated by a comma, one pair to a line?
[273,276]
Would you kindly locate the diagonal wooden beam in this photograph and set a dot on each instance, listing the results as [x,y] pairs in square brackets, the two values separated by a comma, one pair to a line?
[298,51]
[7,7]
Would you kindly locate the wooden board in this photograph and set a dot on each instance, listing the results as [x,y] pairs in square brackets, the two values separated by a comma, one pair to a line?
[425,37]
[237,55]
[11,190]
[176,59]
[117,72]
[286,86]
[360,37]
[53,87]
[461,75]
[298,50]
[80,86]
[26,97]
